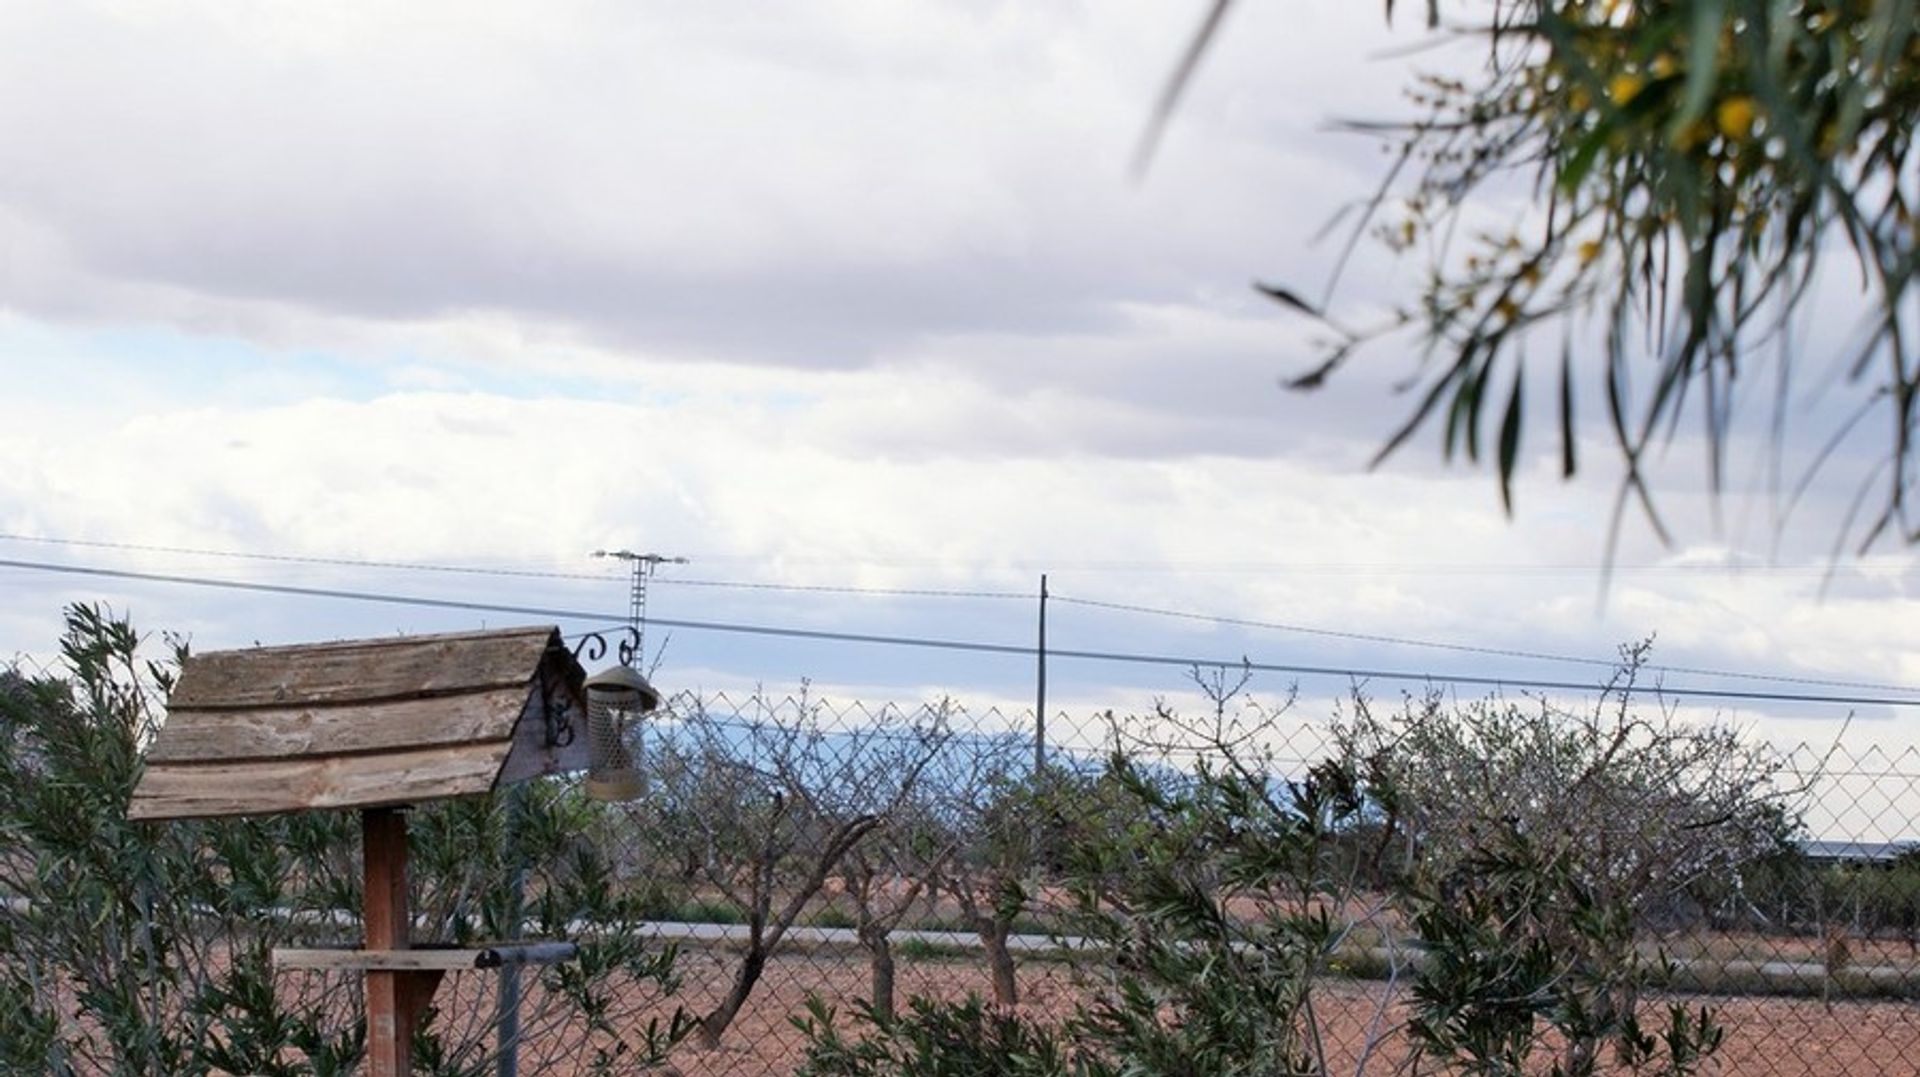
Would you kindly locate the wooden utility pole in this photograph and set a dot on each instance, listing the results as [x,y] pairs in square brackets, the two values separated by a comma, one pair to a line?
[1040,694]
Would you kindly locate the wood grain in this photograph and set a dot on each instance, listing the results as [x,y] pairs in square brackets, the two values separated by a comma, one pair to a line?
[362,723]
[204,790]
[391,998]
[358,671]
[293,732]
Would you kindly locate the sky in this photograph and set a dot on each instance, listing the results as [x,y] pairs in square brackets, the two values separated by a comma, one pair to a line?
[838,301]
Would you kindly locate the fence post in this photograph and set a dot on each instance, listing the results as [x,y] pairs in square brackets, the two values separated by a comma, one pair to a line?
[507,1005]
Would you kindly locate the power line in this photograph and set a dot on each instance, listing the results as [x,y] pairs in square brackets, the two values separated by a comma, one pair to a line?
[1469,648]
[1297,568]
[1311,568]
[836,589]
[970,646]
[422,566]
[954,593]
[296,559]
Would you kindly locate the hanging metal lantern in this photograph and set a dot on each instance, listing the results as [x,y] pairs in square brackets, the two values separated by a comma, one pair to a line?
[616,699]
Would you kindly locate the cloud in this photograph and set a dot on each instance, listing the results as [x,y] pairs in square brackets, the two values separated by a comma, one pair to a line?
[818,189]
[781,488]
[850,294]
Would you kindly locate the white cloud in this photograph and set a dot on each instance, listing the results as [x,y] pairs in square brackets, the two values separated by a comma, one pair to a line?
[776,486]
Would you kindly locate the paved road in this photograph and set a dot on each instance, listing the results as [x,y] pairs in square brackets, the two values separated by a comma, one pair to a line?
[846,936]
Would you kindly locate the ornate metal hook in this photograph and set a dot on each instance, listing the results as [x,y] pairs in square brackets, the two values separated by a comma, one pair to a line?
[593,645]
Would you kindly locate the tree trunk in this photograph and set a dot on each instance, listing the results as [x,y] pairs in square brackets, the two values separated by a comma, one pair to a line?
[768,927]
[714,1024]
[993,932]
[880,958]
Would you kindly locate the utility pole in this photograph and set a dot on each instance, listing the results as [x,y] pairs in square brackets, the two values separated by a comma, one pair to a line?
[1040,694]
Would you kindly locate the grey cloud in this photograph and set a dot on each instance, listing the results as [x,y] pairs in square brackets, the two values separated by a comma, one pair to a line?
[757,195]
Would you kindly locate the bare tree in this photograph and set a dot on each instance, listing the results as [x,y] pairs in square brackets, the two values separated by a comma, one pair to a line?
[989,803]
[769,803]
[889,876]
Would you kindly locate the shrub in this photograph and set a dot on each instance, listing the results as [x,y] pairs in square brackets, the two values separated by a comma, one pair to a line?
[145,948]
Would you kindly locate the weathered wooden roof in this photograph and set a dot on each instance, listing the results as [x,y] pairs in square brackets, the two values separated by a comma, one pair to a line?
[361,723]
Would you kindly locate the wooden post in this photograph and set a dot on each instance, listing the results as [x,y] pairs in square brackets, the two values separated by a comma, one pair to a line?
[391,1001]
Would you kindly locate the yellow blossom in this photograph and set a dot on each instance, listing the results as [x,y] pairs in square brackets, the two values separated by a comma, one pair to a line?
[1663,66]
[1589,251]
[1735,117]
[1624,87]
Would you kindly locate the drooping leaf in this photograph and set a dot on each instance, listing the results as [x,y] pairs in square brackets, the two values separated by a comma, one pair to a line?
[1510,438]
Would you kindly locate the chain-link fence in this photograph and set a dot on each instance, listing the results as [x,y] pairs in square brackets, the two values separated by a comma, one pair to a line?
[807,853]
[800,856]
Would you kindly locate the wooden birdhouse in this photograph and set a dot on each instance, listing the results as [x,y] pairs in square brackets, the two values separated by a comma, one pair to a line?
[364,724]
[373,725]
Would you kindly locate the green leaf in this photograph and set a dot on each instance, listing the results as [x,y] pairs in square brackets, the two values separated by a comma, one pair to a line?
[1510,439]
[1574,172]
[1703,63]
[1287,297]
[1567,462]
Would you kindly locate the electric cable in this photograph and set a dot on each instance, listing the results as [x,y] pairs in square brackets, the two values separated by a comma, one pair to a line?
[970,646]
[299,559]
[421,566]
[1469,648]
[1297,568]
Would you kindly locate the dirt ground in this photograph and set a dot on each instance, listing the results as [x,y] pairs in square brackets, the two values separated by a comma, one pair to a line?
[1764,1036]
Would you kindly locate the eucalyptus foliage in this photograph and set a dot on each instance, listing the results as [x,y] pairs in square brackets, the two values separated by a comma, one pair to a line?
[1697,168]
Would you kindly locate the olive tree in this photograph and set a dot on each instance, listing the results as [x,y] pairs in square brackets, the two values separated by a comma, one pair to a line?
[1645,804]
[1534,848]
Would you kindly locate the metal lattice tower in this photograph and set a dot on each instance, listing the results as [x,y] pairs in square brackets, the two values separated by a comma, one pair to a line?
[644,566]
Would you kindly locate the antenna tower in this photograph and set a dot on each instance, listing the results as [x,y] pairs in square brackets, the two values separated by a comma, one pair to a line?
[644,566]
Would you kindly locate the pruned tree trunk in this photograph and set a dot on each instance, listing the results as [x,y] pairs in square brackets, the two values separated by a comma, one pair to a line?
[880,960]
[994,932]
[714,1024]
[767,926]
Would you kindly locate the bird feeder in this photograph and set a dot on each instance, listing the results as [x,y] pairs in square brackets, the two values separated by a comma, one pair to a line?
[616,699]
[373,725]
